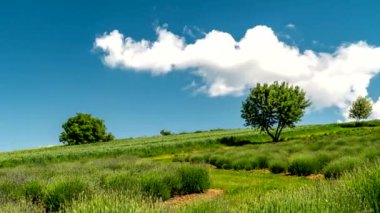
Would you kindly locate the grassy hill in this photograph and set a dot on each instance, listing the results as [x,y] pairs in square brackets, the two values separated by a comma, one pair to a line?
[316,168]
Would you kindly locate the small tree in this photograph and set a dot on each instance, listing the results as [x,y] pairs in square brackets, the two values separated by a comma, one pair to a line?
[164,132]
[274,107]
[360,109]
[83,128]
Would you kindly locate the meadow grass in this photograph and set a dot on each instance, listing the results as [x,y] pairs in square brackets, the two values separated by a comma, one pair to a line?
[56,186]
[256,175]
[326,150]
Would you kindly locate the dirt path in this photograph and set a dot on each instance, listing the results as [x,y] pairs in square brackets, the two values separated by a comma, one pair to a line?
[186,199]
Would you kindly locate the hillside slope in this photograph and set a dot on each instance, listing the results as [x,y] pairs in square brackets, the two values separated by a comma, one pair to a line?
[139,174]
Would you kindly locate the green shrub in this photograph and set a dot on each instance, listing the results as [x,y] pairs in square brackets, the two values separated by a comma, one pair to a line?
[61,192]
[34,191]
[304,165]
[120,181]
[227,164]
[332,147]
[252,164]
[10,189]
[277,166]
[324,157]
[194,179]
[156,185]
[240,164]
[261,162]
[336,167]
[176,180]
[221,162]
[213,159]
[196,158]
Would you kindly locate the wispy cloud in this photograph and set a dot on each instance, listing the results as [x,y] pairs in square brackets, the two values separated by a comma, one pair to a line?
[193,31]
[230,67]
[290,26]
[192,85]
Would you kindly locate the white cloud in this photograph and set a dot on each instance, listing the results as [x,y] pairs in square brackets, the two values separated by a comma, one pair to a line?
[376,109]
[291,26]
[230,67]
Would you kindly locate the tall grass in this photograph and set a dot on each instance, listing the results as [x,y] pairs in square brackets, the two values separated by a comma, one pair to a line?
[304,154]
[52,189]
[357,191]
[141,147]
[122,176]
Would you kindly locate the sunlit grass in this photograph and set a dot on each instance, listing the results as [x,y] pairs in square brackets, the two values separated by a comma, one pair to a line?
[137,175]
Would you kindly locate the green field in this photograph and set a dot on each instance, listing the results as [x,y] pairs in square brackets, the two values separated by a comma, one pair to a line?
[316,168]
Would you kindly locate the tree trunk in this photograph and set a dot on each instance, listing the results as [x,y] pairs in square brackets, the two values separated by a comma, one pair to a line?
[271,135]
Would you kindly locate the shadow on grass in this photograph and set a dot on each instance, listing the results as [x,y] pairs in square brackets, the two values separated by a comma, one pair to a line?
[236,141]
[372,123]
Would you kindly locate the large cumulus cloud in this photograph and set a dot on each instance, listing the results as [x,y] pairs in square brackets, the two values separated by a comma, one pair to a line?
[230,67]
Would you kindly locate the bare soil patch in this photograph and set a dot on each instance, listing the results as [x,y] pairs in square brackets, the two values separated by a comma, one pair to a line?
[315,176]
[190,198]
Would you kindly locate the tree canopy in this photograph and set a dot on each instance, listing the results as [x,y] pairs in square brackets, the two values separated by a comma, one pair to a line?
[272,107]
[82,129]
[360,109]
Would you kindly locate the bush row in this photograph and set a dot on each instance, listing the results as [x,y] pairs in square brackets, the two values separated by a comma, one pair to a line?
[357,191]
[162,183]
[299,164]
[153,181]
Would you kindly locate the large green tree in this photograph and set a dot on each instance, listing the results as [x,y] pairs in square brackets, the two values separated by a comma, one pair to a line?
[272,107]
[83,128]
[360,109]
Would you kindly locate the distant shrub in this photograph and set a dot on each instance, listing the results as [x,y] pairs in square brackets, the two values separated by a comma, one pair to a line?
[62,192]
[244,162]
[324,157]
[304,165]
[226,163]
[277,166]
[261,161]
[120,181]
[213,159]
[164,132]
[337,167]
[240,164]
[182,133]
[82,129]
[196,158]
[217,129]
[221,162]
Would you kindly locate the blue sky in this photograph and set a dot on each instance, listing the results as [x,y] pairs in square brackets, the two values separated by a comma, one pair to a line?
[51,67]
